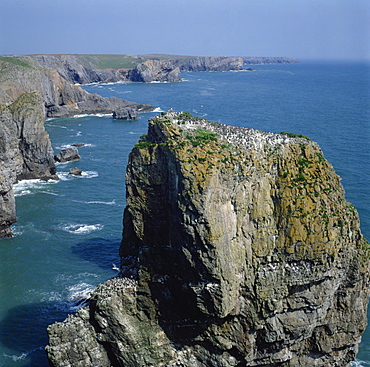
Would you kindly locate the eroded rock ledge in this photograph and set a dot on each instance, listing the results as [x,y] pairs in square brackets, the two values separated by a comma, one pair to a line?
[239,249]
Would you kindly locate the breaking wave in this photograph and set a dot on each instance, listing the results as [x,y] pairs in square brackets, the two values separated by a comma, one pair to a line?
[113,202]
[81,228]
[65,176]
[27,187]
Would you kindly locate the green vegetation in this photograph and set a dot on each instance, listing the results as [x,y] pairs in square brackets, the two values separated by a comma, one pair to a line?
[123,61]
[202,136]
[293,135]
[15,60]
[109,61]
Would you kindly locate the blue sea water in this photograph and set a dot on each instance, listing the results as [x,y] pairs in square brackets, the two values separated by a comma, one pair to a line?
[68,231]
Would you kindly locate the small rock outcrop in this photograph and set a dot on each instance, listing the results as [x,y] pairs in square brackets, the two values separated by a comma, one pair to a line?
[239,249]
[25,151]
[75,171]
[67,155]
[125,114]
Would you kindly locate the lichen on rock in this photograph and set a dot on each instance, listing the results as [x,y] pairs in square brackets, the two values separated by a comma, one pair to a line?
[239,249]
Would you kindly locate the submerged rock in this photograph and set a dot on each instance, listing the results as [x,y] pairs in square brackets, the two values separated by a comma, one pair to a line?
[67,155]
[239,249]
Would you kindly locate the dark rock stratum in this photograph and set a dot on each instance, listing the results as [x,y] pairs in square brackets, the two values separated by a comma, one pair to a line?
[239,249]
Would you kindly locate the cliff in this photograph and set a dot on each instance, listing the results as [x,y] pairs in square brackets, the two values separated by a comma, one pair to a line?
[269,60]
[239,249]
[25,151]
[85,69]
[211,63]
[61,98]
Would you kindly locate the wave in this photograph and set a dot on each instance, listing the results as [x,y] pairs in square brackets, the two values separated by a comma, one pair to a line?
[92,114]
[113,202]
[80,145]
[54,118]
[359,363]
[71,296]
[27,187]
[158,109]
[24,355]
[17,230]
[81,228]
[78,295]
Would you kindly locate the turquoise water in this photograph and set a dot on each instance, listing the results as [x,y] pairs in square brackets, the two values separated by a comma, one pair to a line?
[68,232]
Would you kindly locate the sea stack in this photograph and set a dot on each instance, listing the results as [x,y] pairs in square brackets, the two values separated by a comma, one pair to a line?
[239,249]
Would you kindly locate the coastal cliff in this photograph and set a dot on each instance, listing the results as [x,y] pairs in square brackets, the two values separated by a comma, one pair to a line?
[84,69]
[61,98]
[25,151]
[211,63]
[239,249]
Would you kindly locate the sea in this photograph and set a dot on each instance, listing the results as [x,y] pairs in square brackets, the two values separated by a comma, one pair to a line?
[68,231]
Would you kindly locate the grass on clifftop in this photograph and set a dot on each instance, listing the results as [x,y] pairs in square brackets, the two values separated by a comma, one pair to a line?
[15,60]
[123,61]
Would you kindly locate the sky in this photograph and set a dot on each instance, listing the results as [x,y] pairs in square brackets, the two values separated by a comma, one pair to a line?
[305,29]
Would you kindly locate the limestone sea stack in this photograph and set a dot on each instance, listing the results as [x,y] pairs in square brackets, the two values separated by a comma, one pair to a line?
[239,249]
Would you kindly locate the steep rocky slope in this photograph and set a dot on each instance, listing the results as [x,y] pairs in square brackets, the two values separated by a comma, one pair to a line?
[85,69]
[211,63]
[239,249]
[25,151]
[61,98]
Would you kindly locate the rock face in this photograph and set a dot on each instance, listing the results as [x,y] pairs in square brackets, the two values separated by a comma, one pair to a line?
[212,63]
[125,114]
[155,70]
[67,155]
[269,60]
[75,171]
[25,151]
[72,69]
[239,249]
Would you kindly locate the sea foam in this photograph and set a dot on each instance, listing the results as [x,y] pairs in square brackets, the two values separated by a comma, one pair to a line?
[65,176]
[27,187]
[81,228]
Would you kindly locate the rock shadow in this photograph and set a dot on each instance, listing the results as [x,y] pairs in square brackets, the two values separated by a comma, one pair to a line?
[101,251]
